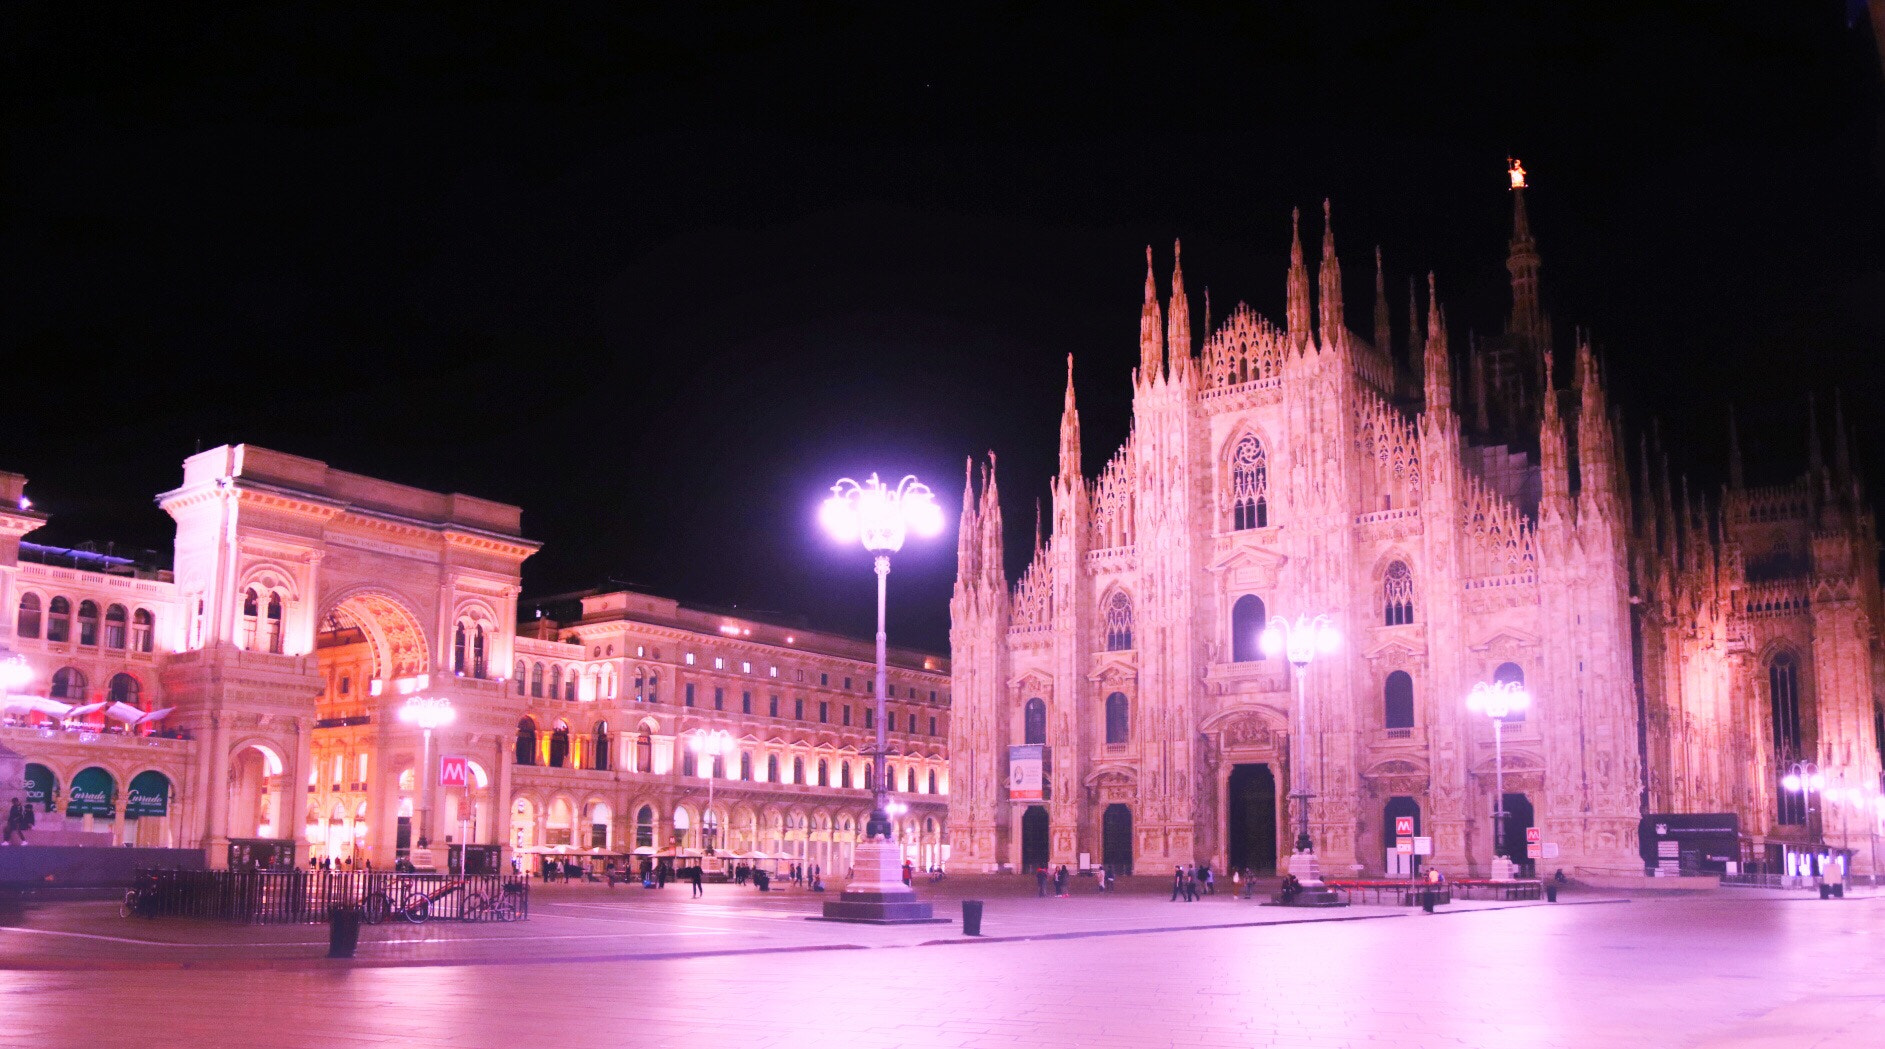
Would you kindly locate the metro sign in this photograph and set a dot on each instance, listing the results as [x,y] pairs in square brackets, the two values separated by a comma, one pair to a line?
[1531,836]
[1403,826]
[454,772]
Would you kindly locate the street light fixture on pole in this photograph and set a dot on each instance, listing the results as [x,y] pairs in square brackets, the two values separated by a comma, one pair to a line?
[1300,642]
[1496,700]
[710,745]
[882,517]
[1806,779]
[427,712]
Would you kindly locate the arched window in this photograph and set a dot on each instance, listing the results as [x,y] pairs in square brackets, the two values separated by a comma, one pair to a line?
[521,676]
[1118,615]
[274,623]
[1397,595]
[88,623]
[844,774]
[1783,690]
[870,776]
[123,689]
[644,752]
[536,680]
[116,619]
[640,684]
[1118,719]
[1249,484]
[68,684]
[1034,722]
[824,779]
[141,630]
[909,781]
[559,744]
[59,620]
[556,680]
[28,622]
[772,768]
[1248,617]
[932,781]
[602,746]
[569,685]
[890,777]
[1397,702]
[1515,674]
[645,828]
[526,741]
[251,617]
[746,766]
[798,770]
[460,645]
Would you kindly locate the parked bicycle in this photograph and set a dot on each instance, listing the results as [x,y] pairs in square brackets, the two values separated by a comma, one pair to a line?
[140,899]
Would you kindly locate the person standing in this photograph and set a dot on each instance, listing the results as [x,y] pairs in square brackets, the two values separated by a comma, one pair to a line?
[1191,885]
[1209,880]
[1040,880]
[694,876]
[15,818]
[1060,881]
[1178,882]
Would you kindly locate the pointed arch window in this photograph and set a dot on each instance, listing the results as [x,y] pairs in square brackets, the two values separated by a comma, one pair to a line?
[844,774]
[1397,703]
[1118,720]
[602,746]
[1249,484]
[909,781]
[1783,694]
[932,781]
[1034,722]
[1248,617]
[746,766]
[798,770]
[460,648]
[824,773]
[870,776]
[251,616]
[1397,595]
[1118,616]
[28,623]
[479,668]
[536,680]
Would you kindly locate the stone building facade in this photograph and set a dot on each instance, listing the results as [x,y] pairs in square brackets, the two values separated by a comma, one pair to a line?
[308,604]
[1462,514]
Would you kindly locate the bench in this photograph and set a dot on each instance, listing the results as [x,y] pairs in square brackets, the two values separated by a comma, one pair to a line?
[1377,890]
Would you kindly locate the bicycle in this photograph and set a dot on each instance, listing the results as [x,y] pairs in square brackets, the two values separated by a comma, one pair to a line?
[375,907]
[140,900]
[418,906]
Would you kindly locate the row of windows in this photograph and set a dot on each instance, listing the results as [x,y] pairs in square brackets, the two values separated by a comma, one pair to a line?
[532,750]
[69,685]
[56,618]
[913,724]
[261,620]
[468,651]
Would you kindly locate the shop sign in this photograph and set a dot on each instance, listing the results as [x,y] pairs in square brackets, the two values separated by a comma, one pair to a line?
[39,786]
[148,795]
[92,794]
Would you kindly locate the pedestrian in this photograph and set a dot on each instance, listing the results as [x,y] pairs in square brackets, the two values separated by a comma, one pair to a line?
[1209,879]
[1236,882]
[1250,883]
[1040,881]
[1178,882]
[1060,881]
[1100,877]
[1191,885]
[694,876]
[15,818]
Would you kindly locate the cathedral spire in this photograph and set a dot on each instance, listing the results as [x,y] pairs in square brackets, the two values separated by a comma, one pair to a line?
[1178,320]
[1207,312]
[967,541]
[1477,366]
[1737,479]
[1329,280]
[1439,369]
[1383,331]
[1553,462]
[994,574]
[1297,314]
[1596,447]
[1527,321]
[1151,342]
[1069,433]
[1416,332]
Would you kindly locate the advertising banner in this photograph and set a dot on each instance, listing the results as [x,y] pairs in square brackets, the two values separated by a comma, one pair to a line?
[1028,768]
[92,793]
[149,795]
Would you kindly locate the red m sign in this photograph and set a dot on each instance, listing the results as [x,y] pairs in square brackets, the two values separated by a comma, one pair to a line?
[454,772]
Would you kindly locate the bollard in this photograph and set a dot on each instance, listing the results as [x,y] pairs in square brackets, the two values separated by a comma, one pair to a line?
[971,917]
[343,931]
[1551,894]
[1826,891]
[1426,900]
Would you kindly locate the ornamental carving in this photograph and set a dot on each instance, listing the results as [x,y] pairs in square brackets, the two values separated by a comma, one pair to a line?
[1248,731]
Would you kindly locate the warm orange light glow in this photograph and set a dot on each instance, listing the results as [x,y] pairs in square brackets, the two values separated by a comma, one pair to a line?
[1517,171]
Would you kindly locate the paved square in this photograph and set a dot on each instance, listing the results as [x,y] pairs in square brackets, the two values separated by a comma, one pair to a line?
[657,968]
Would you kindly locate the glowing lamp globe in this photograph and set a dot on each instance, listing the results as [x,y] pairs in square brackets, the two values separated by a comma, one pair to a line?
[1790,781]
[1498,699]
[427,712]
[881,516]
[14,673]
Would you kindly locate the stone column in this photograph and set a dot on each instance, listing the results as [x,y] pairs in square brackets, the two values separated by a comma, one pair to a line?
[216,795]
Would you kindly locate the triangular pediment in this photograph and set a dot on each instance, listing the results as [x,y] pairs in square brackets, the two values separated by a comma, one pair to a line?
[1248,557]
[1399,645]
[1034,682]
[1521,638]
[1113,669]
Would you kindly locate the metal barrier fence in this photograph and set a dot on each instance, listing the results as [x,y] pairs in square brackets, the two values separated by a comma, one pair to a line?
[288,897]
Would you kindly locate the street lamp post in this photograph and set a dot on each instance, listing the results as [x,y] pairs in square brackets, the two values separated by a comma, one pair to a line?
[710,745]
[14,673]
[1300,642]
[427,712]
[882,517]
[1496,700]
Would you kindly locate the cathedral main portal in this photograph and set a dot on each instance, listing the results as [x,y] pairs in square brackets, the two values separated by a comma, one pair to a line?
[1250,833]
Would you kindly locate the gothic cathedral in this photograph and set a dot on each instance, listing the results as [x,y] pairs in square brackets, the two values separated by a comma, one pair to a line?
[1461,514]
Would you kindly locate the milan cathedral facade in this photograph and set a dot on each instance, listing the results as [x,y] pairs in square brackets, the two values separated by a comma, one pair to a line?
[1462,514]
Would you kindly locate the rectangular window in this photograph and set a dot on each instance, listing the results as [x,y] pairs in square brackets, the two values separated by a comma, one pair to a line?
[689,701]
[847,713]
[891,725]
[719,699]
[772,706]
[746,668]
[690,659]
[932,725]
[824,712]
[719,663]
[847,684]
[746,702]
[798,709]
[640,651]
[772,671]
[870,718]
[824,680]
[932,695]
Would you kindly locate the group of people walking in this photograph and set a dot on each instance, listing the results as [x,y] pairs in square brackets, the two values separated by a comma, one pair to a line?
[19,820]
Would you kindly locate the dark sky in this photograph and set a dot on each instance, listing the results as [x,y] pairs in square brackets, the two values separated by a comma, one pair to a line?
[661,279]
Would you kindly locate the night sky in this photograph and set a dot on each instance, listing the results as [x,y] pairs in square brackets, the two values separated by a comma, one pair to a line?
[660,280]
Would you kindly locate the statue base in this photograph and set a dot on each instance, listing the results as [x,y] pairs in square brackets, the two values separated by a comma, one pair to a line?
[876,894]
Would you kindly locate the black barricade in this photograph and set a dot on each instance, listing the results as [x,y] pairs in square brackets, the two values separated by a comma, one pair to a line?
[288,897]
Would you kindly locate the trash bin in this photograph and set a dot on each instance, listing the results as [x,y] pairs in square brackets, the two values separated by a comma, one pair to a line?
[1551,893]
[1839,891]
[1826,891]
[1426,900]
[971,917]
[343,931]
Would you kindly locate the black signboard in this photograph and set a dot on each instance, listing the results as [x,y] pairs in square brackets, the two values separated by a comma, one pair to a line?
[1701,841]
